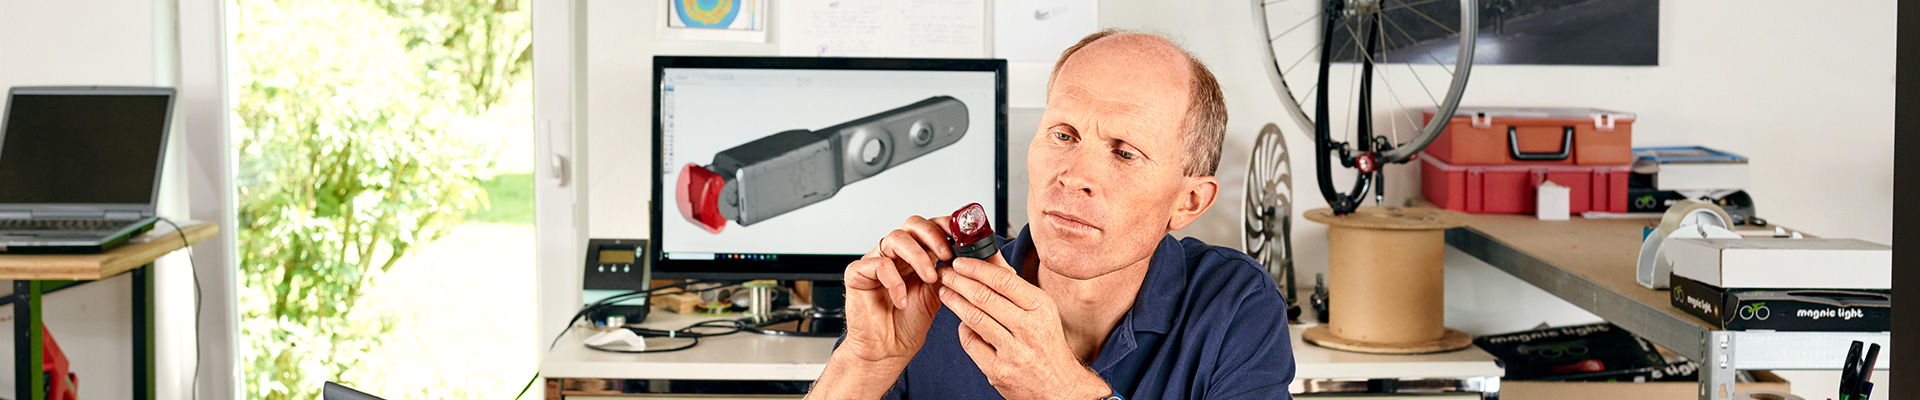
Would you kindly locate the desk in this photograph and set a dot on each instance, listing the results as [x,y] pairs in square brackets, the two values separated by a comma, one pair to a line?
[36,275]
[1591,263]
[757,364]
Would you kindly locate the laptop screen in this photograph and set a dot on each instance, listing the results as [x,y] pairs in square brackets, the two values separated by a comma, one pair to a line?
[80,147]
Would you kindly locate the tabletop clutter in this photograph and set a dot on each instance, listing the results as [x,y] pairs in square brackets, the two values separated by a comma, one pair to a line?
[1720,261]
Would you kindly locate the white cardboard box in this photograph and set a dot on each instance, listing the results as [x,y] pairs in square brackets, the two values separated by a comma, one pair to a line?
[1782,263]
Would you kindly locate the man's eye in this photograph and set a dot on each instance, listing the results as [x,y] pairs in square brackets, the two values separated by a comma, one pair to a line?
[1127,155]
[1062,136]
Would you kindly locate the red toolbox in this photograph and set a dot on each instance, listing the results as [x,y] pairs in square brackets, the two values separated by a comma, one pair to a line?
[1509,189]
[1534,136]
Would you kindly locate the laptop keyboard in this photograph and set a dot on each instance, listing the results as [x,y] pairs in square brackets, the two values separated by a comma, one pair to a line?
[61,224]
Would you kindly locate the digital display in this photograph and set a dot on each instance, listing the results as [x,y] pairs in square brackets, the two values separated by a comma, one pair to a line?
[817,162]
[616,256]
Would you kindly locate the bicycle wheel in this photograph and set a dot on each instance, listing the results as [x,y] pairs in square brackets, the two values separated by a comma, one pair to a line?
[1324,58]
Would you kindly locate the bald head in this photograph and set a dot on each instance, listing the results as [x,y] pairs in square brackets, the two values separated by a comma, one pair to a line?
[1204,122]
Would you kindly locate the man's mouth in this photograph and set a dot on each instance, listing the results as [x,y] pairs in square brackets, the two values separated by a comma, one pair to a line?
[1070,222]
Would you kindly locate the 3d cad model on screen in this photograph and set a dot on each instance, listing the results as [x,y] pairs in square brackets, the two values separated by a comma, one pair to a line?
[786,171]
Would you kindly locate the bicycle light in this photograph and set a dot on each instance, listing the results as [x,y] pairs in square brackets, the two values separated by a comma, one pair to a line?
[972,234]
[785,171]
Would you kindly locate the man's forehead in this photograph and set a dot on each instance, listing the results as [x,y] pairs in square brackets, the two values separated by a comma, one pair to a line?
[1133,75]
[1136,59]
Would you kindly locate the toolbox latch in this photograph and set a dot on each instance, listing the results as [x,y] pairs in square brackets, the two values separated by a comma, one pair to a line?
[1603,122]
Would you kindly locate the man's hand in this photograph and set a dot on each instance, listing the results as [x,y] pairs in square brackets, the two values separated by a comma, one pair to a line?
[1012,330]
[891,300]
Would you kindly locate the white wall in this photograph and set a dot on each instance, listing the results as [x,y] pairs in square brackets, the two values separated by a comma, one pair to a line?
[107,42]
[1803,88]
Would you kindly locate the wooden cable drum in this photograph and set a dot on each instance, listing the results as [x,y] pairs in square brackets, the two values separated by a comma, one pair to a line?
[1385,281]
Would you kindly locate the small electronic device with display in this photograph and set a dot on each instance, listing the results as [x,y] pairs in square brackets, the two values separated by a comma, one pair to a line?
[616,266]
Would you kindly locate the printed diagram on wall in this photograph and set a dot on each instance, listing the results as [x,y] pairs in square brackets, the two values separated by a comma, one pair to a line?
[1539,32]
[789,170]
[725,20]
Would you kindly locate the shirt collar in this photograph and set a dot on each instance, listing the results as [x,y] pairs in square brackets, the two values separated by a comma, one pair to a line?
[1160,294]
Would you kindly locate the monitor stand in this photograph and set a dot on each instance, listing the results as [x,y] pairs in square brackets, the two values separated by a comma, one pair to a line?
[827,318]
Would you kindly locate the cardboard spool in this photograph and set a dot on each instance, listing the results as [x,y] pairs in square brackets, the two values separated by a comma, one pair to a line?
[1385,281]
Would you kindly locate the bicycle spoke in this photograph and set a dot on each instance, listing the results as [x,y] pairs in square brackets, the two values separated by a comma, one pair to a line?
[1295,26]
[1415,73]
[1303,57]
[1434,21]
[1410,39]
[1406,5]
[1309,95]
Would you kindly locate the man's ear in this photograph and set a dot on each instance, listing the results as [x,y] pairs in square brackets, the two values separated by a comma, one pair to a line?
[1198,195]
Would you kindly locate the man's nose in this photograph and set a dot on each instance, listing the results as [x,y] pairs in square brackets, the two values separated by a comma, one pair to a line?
[1081,168]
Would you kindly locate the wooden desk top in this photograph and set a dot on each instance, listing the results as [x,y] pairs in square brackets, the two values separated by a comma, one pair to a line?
[750,356]
[136,252]
[1604,251]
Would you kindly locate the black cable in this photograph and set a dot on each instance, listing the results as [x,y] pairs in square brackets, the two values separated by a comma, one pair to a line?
[193,268]
[608,302]
[734,326]
[648,293]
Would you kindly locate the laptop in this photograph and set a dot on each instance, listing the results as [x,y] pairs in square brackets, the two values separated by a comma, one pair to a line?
[80,166]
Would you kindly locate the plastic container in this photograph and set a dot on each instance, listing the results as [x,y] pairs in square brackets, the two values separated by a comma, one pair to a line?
[1534,136]
[1509,189]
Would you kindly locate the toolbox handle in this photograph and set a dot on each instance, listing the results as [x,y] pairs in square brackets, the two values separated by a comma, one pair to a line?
[1513,146]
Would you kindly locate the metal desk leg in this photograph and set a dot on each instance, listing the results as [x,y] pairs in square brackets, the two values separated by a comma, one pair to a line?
[143,358]
[1716,368]
[31,381]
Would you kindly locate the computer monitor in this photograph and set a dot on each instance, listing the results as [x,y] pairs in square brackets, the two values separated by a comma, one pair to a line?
[791,168]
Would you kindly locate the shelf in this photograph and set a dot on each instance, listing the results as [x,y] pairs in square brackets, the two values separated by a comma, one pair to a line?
[1590,263]
[89,267]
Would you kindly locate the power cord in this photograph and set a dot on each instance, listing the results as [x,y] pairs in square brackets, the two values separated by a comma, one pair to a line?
[195,270]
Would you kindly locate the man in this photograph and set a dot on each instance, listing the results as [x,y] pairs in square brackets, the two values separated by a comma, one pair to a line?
[1100,302]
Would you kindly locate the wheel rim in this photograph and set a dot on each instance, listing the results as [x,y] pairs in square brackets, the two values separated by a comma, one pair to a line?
[1295,33]
[1268,206]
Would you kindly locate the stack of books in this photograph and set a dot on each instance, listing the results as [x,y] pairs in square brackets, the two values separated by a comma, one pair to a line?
[1664,175]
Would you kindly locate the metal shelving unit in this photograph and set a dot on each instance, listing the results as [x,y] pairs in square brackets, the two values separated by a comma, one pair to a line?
[1590,263]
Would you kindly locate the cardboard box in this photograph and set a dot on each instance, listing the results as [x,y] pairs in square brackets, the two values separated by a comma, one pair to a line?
[1783,310]
[1761,263]
[1535,390]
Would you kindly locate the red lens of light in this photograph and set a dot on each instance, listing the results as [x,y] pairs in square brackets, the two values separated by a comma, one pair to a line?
[969,224]
[699,197]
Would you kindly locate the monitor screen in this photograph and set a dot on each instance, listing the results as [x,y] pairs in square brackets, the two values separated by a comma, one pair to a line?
[83,145]
[789,168]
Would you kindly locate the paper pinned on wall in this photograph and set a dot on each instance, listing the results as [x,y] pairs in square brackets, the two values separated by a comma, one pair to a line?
[883,28]
[1038,30]
[717,20]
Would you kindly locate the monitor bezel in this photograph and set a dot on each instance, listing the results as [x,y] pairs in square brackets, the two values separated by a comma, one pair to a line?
[812,267]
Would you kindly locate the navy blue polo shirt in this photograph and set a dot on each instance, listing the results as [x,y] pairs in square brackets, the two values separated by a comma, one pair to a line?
[1208,323]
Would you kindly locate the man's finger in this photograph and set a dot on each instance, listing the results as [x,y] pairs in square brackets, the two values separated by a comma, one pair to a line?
[1002,279]
[860,273]
[932,233]
[904,246]
[896,285]
[995,304]
[978,349]
[990,330]
[931,240]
